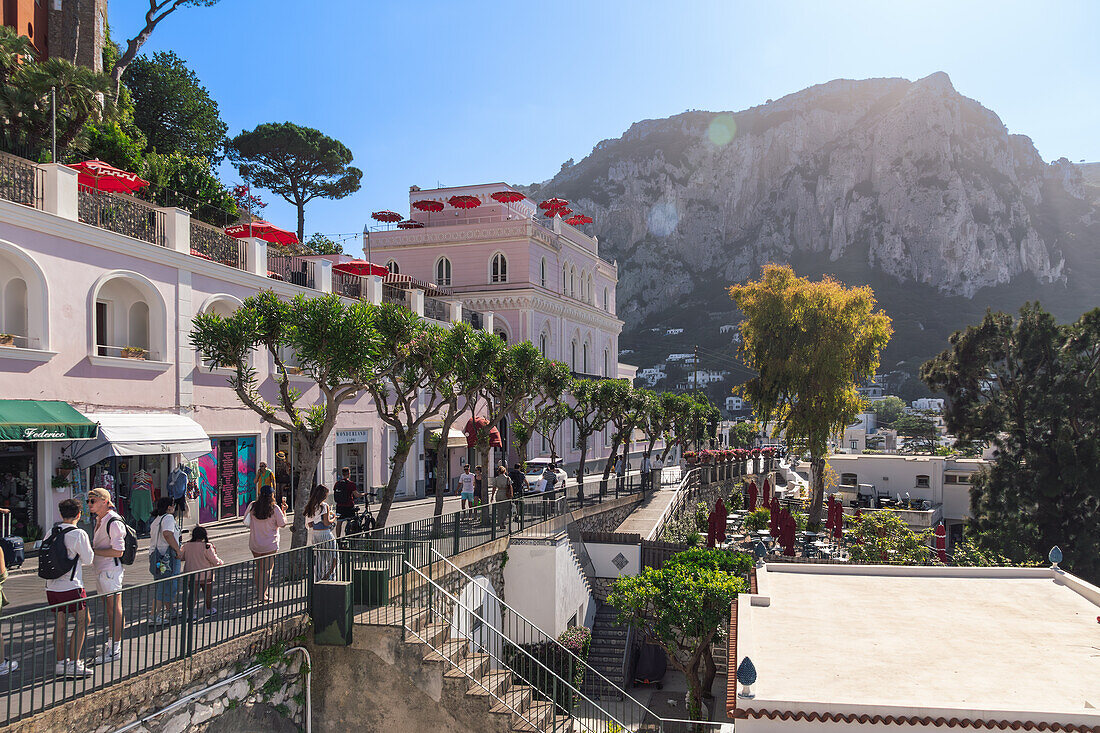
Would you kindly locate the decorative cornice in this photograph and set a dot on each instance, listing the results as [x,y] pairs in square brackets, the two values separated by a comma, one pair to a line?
[530,300]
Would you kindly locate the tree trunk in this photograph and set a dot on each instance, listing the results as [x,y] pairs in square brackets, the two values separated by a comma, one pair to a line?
[580,468]
[710,671]
[301,222]
[695,689]
[615,442]
[817,489]
[399,458]
[483,461]
[305,472]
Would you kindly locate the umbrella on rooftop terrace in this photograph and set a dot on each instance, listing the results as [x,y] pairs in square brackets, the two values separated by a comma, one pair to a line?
[264,230]
[507,197]
[464,202]
[554,203]
[579,219]
[557,212]
[410,224]
[429,206]
[387,216]
[105,177]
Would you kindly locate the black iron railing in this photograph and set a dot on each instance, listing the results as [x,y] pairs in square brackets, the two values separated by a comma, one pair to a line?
[211,243]
[437,310]
[475,319]
[294,270]
[121,214]
[395,295]
[348,285]
[21,181]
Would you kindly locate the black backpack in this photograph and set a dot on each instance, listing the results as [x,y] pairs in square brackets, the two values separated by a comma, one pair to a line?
[53,556]
[129,536]
[342,492]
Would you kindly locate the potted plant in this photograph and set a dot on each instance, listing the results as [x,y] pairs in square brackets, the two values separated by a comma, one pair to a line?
[133,352]
[7,339]
[65,466]
[60,483]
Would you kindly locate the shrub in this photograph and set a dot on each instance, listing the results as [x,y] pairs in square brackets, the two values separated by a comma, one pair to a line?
[758,520]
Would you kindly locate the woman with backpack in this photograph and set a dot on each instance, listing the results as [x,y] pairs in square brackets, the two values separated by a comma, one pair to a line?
[164,560]
[264,519]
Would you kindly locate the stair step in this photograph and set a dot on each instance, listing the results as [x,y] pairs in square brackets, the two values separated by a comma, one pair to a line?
[496,681]
[516,698]
[452,651]
[536,715]
[435,633]
[391,616]
[472,666]
[561,724]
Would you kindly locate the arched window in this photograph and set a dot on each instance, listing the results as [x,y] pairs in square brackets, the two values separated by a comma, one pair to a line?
[590,294]
[606,363]
[606,301]
[573,355]
[542,272]
[499,269]
[393,267]
[503,335]
[224,306]
[542,343]
[24,312]
[443,271]
[14,311]
[128,311]
[583,279]
[564,281]
[138,325]
[572,282]
[584,359]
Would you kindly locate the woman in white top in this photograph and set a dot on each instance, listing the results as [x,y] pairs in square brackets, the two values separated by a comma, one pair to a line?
[164,560]
[320,518]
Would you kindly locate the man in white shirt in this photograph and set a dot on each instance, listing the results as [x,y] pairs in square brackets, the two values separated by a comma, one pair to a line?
[69,589]
[647,475]
[466,484]
[658,466]
[108,544]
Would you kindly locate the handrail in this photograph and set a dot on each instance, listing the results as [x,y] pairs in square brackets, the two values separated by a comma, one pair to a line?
[487,625]
[584,663]
[671,508]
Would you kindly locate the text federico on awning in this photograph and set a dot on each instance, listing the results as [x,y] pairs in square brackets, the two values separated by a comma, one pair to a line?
[142,434]
[31,420]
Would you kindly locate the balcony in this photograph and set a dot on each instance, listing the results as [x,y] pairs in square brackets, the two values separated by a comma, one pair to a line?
[21,181]
[211,243]
[437,310]
[294,270]
[121,214]
[474,319]
[395,295]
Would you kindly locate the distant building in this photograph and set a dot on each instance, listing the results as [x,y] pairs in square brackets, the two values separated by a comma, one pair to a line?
[727,328]
[709,376]
[680,357]
[652,375]
[928,404]
[674,331]
[736,404]
[64,29]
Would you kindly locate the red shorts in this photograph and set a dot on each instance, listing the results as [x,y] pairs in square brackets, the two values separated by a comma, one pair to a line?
[62,596]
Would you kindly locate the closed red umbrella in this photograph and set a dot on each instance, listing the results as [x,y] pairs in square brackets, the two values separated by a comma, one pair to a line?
[264,230]
[410,224]
[507,197]
[767,492]
[941,542]
[105,177]
[752,496]
[464,202]
[554,203]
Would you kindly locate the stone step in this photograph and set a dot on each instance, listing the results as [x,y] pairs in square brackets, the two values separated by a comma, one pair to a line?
[452,651]
[473,666]
[537,714]
[434,634]
[518,697]
[494,682]
[391,616]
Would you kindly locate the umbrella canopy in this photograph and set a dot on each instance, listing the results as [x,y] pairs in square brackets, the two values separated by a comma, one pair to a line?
[557,212]
[554,203]
[472,430]
[105,177]
[264,230]
[464,202]
[360,267]
[579,219]
[427,205]
[507,197]
[387,216]
[941,542]
[410,224]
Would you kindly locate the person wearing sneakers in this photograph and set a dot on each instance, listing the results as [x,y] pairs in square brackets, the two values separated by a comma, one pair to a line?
[69,590]
[7,666]
[108,544]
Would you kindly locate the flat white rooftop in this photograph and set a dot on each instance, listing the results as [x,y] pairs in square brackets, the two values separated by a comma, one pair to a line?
[991,643]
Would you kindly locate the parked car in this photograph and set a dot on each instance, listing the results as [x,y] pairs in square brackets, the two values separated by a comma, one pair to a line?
[535,482]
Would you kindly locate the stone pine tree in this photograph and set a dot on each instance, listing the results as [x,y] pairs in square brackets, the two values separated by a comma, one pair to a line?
[1031,387]
[297,163]
[811,344]
[335,345]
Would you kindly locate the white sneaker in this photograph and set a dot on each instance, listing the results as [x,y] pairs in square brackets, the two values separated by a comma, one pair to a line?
[110,653]
[211,611]
[77,669]
[61,669]
[8,666]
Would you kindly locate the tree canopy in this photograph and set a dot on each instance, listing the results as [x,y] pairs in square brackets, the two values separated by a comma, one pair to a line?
[1030,386]
[812,343]
[297,163]
[888,409]
[173,109]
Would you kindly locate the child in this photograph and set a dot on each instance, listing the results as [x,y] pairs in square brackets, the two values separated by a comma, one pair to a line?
[199,554]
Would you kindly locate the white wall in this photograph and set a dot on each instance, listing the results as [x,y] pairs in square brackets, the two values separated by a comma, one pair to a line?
[602,555]
[572,596]
[545,585]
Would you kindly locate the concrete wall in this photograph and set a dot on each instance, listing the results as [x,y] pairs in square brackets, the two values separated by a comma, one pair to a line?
[603,554]
[545,584]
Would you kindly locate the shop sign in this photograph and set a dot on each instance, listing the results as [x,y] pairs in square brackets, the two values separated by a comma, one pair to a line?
[43,434]
[351,436]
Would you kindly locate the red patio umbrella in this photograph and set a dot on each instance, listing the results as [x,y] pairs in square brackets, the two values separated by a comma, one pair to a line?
[105,177]
[264,230]
[386,216]
[473,429]
[507,197]
[551,213]
[464,202]
[752,496]
[429,206]
[410,224]
[554,203]
[360,267]
[578,220]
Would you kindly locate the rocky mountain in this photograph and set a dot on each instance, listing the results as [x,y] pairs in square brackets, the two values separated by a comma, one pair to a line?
[907,186]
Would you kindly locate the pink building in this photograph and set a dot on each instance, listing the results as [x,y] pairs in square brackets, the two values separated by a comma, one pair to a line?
[542,279]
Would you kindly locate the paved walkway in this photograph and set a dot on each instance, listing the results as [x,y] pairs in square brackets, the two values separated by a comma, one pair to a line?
[644,519]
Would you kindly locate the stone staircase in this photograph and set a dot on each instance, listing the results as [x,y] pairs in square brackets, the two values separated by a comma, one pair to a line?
[606,655]
[520,707]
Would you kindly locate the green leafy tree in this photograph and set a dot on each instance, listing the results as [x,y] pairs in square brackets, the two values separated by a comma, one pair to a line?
[513,377]
[1031,387]
[549,422]
[888,409]
[585,411]
[681,608]
[179,180]
[297,163]
[674,408]
[173,109]
[158,11]
[336,347]
[116,143]
[921,433]
[533,409]
[623,406]
[323,245]
[743,434]
[883,538]
[812,344]
[654,422]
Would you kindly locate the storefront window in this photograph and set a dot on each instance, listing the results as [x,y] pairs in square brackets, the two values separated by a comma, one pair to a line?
[18,469]
[226,477]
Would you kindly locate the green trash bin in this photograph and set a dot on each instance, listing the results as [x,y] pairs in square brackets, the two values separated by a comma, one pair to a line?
[370,586]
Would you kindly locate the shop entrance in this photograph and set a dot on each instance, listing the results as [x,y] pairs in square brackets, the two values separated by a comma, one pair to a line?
[18,469]
[353,451]
[225,478]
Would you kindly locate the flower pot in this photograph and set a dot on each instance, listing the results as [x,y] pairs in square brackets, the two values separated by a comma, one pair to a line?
[6,339]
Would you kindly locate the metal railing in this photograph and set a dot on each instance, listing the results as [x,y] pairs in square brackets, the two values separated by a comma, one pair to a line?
[21,181]
[121,214]
[684,494]
[211,243]
[150,638]
[124,352]
[348,285]
[294,270]
[437,310]
[395,295]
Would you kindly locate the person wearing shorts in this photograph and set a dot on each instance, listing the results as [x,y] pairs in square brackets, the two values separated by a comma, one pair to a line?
[108,544]
[345,493]
[69,590]
[466,484]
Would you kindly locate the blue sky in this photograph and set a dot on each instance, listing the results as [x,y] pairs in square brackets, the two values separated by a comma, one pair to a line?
[469,92]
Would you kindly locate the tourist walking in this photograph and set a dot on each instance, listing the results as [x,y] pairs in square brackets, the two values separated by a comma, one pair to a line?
[647,475]
[519,481]
[479,486]
[320,519]
[264,519]
[502,496]
[7,666]
[620,472]
[164,561]
[199,553]
[61,562]
[346,493]
[466,485]
[108,545]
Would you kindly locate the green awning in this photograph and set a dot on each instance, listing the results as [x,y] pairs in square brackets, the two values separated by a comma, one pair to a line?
[32,420]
